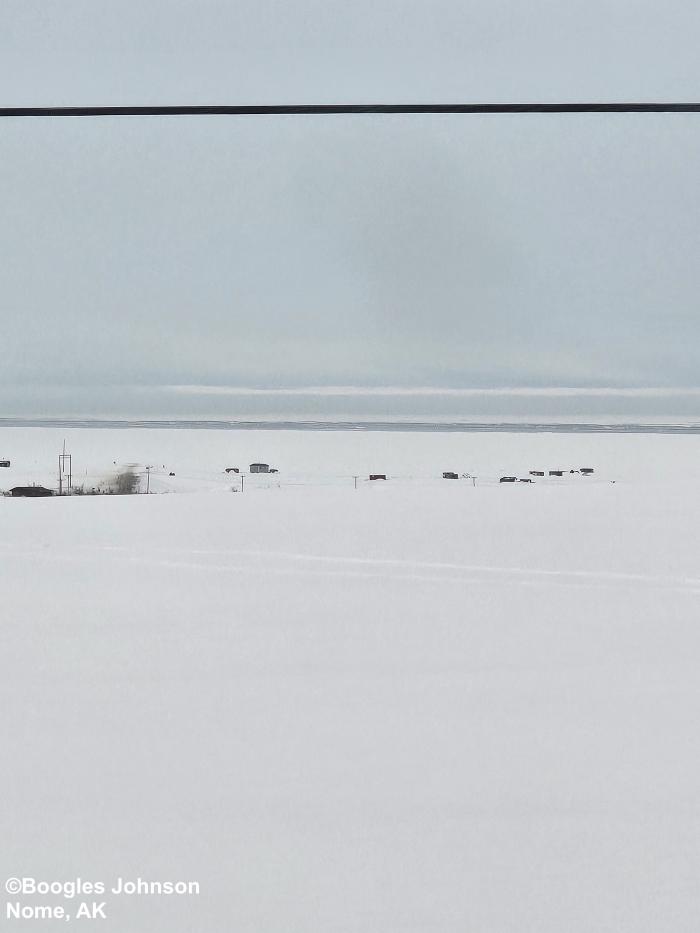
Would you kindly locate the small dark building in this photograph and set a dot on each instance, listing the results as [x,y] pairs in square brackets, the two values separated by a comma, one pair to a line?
[377,475]
[508,479]
[4,463]
[449,475]
[586,471]
[556,472]
[536,472]
[260,468]
[31,492]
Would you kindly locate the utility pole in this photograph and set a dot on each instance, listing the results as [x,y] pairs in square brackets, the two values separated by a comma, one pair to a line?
[356,479]
[65,468]
[148,479]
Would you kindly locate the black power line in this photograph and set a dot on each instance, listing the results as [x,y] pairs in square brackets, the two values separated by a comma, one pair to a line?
[177,110]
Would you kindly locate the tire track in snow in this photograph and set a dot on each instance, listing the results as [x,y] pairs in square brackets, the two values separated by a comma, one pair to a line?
[263,562]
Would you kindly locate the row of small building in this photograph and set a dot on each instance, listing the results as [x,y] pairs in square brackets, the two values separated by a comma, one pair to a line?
[449,474]
[584,471]
[40,491]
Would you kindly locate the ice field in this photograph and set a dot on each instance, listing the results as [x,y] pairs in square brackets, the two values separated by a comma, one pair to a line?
[416,705]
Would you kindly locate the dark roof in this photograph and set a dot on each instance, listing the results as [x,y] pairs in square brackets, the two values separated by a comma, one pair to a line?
[31,491]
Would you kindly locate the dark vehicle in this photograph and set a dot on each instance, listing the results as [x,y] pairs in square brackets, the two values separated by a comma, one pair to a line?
[556,472]
[586,471]
[449,475]
[377,475]
[536,472]
[31,492]
[4,463]
[232,470]
[508,479]
[527,480]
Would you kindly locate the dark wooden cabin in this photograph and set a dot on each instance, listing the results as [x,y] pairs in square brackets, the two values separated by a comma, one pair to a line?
[31,492]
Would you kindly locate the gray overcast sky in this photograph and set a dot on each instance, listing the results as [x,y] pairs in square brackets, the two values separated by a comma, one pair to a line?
[412,250]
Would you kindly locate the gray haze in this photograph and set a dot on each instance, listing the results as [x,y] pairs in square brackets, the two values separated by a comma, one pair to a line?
[382,251]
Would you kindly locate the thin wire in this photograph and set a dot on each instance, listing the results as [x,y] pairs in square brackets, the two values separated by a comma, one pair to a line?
[327,109]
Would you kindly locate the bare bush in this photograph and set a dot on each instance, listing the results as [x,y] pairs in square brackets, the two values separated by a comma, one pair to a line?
[125,482]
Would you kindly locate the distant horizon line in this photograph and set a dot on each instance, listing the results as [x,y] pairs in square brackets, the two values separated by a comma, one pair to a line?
[193,110]
[397,424]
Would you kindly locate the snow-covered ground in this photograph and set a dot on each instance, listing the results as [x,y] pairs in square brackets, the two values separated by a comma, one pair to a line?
[420,705]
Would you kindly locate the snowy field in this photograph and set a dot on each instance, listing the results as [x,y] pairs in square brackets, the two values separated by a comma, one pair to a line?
[419,705]
[199,458]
